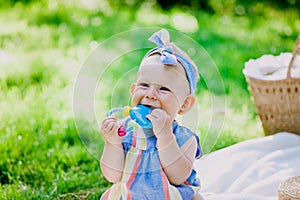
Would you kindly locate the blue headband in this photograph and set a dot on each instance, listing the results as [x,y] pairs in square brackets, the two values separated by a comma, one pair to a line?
[169,57]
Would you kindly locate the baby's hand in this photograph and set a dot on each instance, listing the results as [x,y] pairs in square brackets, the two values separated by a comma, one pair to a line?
[161,122]
[109,130]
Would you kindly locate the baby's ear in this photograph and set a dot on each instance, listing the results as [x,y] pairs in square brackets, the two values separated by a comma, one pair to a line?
[187,104]
[132,87]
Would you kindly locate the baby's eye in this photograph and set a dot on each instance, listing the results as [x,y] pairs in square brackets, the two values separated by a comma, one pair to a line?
[144,84]
[164,89]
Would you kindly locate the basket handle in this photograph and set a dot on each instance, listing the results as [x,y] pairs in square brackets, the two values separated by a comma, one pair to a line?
[295,52]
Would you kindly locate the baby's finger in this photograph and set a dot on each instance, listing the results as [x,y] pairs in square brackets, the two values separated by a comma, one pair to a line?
[157,112]
[149,117]
[107,123]
[108,126]
[161,116]
[115,128]
[111,126]
[110,118]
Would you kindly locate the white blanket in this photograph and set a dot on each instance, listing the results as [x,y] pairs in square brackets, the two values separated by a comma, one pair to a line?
[250,170]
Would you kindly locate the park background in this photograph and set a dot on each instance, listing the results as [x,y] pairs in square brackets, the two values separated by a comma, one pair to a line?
[43,45]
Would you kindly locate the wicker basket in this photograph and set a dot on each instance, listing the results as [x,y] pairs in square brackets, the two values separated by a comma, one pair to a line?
[278,101]
[289,189]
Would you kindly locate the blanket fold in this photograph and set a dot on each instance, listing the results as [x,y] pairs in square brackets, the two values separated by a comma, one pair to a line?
[250,170]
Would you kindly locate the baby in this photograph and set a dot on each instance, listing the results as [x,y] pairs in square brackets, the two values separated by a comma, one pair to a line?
[155,163]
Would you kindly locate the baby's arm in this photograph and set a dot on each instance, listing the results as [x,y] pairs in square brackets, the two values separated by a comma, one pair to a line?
[112,160]
[176,161]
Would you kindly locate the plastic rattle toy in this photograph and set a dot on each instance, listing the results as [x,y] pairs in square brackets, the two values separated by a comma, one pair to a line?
[137,114]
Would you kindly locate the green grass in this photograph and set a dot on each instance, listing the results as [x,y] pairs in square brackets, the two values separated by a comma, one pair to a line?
[44,153]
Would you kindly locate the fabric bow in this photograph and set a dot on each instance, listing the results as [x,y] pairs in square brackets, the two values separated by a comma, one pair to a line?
[169,57]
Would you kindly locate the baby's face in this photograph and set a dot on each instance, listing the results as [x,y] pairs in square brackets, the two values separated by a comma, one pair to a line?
[160,86]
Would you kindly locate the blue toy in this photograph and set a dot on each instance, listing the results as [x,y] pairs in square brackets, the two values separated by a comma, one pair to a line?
[137,114]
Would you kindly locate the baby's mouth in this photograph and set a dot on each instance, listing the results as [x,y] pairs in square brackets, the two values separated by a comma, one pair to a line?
[149,106]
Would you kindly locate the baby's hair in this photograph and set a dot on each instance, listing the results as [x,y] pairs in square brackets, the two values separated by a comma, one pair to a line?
[176,49]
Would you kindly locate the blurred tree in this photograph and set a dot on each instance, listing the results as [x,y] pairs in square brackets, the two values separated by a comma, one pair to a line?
[197,4]
[206,5]
[210,5]
[13,2]
[281,4]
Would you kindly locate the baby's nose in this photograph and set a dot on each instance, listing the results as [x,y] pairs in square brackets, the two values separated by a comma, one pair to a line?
[151,94]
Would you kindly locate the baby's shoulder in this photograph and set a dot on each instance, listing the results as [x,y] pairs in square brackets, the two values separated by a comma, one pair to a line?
[182,134]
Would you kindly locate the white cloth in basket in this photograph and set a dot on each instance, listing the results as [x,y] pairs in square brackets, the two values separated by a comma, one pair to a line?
[270,67]
[250,170]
